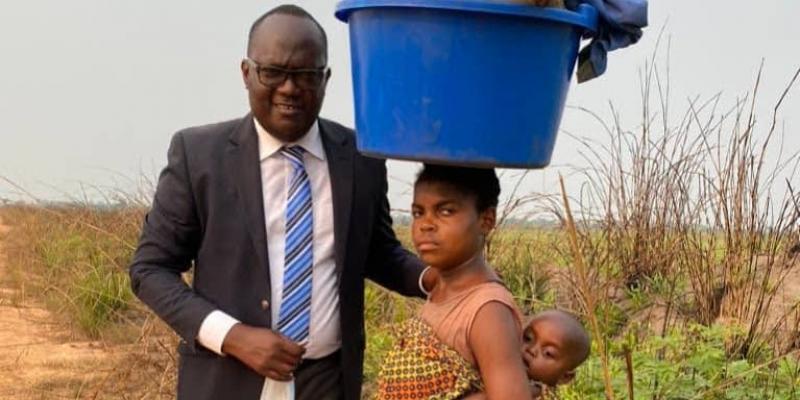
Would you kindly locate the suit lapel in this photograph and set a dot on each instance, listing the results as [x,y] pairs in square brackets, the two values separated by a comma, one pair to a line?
[245,168]
[340,153]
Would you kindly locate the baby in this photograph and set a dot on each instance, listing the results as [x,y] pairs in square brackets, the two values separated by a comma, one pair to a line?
[554,344]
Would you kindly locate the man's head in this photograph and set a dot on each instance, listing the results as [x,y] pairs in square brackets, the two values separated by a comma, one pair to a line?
[554,344]
[285,71]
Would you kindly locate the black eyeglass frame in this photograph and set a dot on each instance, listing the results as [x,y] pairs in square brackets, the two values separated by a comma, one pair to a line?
[320,74]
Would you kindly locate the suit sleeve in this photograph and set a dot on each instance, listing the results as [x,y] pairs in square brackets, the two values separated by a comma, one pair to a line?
[169,243]
[388,263]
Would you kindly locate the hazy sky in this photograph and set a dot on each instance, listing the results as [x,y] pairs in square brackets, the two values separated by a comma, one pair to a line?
[92,90]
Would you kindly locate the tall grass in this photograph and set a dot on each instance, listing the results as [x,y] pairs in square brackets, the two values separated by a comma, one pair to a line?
[73,258]
[686,216]
[677,254]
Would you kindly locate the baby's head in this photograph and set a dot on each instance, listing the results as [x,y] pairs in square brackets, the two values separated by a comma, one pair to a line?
[554,344]
[454,209]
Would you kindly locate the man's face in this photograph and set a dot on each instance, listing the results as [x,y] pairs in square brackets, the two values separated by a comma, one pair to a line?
[286,110]
[545,353]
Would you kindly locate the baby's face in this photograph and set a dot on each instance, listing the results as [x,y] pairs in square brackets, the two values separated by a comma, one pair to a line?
[545,353]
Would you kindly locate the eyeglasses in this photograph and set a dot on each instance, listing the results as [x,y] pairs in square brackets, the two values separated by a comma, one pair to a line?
[270,76]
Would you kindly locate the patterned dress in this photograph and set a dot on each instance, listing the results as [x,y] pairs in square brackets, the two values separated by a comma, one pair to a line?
[422,367]
[431,358]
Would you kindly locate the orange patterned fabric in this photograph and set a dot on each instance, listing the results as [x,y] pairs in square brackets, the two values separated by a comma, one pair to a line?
[422,367]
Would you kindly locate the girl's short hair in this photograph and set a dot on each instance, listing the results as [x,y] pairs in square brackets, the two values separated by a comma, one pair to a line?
[480,183]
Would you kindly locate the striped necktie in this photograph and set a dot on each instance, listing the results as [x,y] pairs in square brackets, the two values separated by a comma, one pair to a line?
[294,316]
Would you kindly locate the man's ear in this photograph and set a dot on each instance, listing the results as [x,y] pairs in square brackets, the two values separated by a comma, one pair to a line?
[567,377]
[245,67]
[324,85]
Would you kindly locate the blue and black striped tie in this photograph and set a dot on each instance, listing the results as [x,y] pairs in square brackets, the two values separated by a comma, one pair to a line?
[294,317]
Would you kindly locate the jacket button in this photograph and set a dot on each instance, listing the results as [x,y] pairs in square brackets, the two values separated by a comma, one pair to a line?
[264,304]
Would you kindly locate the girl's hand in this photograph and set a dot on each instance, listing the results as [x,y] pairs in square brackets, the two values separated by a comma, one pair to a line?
[536,390]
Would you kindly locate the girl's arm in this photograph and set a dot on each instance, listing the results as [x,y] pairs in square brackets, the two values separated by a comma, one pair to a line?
[496,343]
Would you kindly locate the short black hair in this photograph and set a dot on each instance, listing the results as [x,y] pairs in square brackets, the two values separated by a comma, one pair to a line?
[480,183]
[288,9]
[576,339]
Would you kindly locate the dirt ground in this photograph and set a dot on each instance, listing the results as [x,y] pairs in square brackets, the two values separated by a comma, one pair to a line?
[39,359]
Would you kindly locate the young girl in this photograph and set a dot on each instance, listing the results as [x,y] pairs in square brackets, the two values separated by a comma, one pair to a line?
[467,336]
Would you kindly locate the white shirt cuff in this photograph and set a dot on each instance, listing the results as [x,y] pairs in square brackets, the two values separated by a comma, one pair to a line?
[214,329]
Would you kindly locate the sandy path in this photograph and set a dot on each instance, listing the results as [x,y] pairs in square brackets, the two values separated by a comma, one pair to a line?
[38,358]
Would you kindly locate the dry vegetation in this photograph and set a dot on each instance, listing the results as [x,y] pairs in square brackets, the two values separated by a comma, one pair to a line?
[682,257]
[89,337]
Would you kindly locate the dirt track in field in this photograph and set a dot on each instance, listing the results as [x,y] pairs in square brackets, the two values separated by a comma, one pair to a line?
[39,359]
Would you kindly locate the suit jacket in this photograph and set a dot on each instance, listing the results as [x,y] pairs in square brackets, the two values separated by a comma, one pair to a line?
[208,213]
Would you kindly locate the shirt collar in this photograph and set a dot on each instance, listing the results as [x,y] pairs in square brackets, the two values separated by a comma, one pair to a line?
[268,145]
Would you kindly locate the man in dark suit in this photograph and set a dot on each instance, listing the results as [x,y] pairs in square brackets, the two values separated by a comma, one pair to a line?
[281,219]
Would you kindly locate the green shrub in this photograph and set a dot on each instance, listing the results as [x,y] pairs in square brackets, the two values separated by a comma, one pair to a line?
[688,363]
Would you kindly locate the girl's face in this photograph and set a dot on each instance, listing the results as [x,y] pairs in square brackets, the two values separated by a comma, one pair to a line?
[447,229]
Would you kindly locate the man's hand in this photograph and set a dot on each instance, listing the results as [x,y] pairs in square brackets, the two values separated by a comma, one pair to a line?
[266,352]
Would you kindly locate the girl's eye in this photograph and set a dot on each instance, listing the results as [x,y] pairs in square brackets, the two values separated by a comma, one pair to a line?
[416,214]
[446,211]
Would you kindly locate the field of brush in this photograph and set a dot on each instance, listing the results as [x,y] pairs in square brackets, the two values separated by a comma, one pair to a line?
[673,314]
[681,255]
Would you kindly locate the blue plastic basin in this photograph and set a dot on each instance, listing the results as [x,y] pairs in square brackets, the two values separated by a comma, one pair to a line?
[464,82]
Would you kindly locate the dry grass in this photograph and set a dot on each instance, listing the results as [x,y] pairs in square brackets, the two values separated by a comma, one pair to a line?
[678,228]
[685,218]
[73,261]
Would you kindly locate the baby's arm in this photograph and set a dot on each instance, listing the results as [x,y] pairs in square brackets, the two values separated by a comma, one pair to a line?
[495,341]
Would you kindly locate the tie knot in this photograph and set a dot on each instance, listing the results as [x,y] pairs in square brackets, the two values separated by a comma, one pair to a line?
[294,154]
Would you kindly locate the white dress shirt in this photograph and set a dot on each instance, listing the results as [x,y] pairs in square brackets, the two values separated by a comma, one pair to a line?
[324,330]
